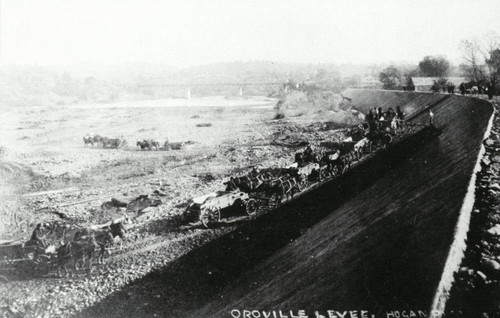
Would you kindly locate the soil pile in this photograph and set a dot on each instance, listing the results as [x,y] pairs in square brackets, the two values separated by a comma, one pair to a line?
[317,105]
[13,177]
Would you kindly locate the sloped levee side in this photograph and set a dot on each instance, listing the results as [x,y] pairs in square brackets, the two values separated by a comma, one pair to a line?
[385,249]
[410,102]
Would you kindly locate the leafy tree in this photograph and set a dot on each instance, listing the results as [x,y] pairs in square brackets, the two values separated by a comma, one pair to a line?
[434,66]
[390,77]
[440,84]
[408,72]
[494,65]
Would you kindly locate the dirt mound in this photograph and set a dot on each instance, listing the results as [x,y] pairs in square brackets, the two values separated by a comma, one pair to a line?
[12,177]
[315,105]
[14,172]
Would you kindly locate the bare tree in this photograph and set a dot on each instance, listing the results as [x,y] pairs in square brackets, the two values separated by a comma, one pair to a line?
[471,53]
[477,55]
[489,43]
[491,54]
[493,63]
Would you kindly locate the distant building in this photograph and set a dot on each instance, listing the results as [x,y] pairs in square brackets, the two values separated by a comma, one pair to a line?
[370,81]
[424,84]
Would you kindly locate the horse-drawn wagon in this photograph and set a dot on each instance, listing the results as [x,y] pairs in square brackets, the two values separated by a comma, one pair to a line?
[304,173]
[26,259]
[53,246]
[214,206]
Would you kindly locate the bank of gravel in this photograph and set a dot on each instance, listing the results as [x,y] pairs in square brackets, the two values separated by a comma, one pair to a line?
[158,237]
[476,288]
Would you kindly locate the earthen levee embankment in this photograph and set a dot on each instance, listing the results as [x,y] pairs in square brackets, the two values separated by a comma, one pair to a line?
[387,247]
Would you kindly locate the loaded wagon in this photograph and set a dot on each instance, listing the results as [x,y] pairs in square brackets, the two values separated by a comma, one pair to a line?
[36,256]
[305,173]
[211,208]
[28,259]
[354,149]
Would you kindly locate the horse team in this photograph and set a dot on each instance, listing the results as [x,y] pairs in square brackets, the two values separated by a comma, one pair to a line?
[149,144]
[146,144]
[81,249]
[104,141]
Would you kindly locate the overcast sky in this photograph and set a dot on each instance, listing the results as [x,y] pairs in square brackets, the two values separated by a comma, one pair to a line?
[182,33]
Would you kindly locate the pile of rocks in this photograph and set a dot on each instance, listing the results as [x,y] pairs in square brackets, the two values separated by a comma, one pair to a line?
[477,283]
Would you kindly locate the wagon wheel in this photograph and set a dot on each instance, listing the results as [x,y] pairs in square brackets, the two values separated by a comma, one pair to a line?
[251,207]
[210,215]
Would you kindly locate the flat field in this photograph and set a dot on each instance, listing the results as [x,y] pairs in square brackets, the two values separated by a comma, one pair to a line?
[49,175]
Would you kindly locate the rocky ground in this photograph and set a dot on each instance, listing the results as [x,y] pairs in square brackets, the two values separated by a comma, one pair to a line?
[50,176]
[476,291]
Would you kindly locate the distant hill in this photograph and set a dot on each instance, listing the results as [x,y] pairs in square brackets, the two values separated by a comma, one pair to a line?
[103,83]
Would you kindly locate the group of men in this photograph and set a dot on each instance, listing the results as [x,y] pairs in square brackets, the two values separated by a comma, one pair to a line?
[39,235]
[254,174]
[378,119]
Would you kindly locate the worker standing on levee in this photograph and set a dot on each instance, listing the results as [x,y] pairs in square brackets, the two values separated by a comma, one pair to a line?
[431,117]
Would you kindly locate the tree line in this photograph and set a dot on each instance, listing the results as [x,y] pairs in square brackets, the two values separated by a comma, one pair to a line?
[32,85]
[480,65]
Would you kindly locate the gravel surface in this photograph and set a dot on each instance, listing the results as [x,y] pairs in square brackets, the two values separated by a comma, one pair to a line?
[67,182]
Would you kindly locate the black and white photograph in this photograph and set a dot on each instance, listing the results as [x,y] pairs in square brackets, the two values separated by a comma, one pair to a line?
[249,159]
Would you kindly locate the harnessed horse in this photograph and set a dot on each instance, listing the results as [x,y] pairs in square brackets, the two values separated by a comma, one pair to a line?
[82,248]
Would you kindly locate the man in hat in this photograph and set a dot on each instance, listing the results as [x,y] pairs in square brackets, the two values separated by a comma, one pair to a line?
[231,185]
[38,236]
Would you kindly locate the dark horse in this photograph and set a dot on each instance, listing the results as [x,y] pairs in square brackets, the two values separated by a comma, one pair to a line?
[74,252]
[380,138]
[277,189]
[82,249]
[335,162]
[145,145]
[88,140]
